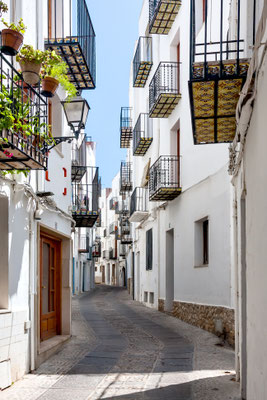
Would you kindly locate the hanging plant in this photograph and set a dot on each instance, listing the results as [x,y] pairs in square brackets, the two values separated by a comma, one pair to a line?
[30,61]
[12,37]
[54,72]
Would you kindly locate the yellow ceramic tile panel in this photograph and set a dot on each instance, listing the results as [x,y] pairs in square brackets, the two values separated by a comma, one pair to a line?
[226,128]
[228,95]
[203,95]
[204,130]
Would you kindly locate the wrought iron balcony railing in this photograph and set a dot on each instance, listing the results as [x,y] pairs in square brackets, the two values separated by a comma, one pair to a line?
[112,228]
[96,251]
[142,62]
[139,204]
[112,254]
[164,179]
[126,124]
[84,244]
[122,250]
[112,203]
[24,129]
[85,196]
[164,90]
[122,207]
[218,68]
[78,160]
[126,183]
[126,239]
[142,135]
[125,226]
[105,254]
[71,34]
[162,13]
[90,253]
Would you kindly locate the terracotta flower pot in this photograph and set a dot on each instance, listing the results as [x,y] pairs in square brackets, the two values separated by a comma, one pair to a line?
[11,41]
[30,72]
[49,86]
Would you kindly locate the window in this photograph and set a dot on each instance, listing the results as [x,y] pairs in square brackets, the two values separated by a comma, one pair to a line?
[205,229]
[151,297]
[202,242]
[149,249]
[145,297]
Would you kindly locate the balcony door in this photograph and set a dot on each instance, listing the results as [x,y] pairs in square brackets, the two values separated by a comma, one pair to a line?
[49,287]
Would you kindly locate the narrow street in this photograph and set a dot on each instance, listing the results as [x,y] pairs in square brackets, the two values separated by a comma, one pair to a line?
[123,350]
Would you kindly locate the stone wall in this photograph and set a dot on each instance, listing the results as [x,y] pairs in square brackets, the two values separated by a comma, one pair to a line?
[214,319]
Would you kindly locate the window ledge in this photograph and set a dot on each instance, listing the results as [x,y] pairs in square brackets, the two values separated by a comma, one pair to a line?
[5,311]
[201,266]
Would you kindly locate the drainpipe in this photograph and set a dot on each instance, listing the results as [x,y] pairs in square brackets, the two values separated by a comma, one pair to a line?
[235,261]
[31,294]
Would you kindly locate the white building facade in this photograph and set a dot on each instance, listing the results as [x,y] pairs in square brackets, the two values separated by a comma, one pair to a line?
[36,216]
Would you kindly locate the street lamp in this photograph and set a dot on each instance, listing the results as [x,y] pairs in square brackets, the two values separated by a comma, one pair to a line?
[76,111]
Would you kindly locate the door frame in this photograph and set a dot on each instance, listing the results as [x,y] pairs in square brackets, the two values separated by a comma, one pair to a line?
[58,271]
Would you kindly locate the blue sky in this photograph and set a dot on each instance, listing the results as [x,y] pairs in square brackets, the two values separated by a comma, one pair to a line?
[116,26]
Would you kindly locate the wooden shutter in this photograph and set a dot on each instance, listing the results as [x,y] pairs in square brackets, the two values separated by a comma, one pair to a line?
[149,249]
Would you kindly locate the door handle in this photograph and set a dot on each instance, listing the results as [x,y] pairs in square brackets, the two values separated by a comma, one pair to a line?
[43,287]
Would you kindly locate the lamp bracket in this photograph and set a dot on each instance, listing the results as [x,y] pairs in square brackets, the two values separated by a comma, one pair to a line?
[57,141]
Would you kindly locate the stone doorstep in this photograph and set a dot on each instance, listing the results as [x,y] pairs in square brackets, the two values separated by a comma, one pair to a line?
[49,347]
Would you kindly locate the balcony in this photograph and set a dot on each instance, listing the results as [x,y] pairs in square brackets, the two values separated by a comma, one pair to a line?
[112,203]
[139,205]
[125,229]
[24,129]
[105,254]
[78,160]
[126,124]
[112,228]
[164,90]
[99,219]
[122,207]
[164,179]
[162,14]
[85,197]
[112,254]
[142,62]
[123,250]
[71,35]
[142,135]
[83,244]
[126,184]
[218,70]
[126,239]
[96,251]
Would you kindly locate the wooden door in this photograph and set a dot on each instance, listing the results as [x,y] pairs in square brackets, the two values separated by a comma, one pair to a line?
[49,287]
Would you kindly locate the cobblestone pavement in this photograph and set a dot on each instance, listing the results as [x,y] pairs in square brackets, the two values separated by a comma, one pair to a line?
[123,350]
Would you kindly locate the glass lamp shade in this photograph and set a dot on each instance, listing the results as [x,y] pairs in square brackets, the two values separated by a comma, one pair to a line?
[76,111]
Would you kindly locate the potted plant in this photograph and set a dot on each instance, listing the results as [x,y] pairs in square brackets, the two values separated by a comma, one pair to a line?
[54,73]
[3,8]
[30,61]
[12,37]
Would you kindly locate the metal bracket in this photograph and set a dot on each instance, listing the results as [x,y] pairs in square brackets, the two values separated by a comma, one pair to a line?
[57,141]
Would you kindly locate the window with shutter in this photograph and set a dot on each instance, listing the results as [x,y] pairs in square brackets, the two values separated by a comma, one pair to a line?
[149,249]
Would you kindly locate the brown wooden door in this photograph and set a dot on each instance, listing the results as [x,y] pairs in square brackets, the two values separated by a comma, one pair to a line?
[50,287]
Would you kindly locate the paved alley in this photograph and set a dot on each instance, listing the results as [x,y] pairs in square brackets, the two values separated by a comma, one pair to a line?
[122,350]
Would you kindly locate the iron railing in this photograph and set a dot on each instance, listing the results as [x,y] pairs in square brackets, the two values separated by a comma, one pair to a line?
[164,87]
[164,178]
[85,198]
[126,127]
[105,254]
[162,13]
[96,251]
[112,203]
[125,226]
[139,201]
[71,34]
[112,228]
[122,207]
[219,51]
[24,119]
[142,62]
[122,250]
[84,243]
[126,183]
[78,160]
[112,254]
[142,135]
